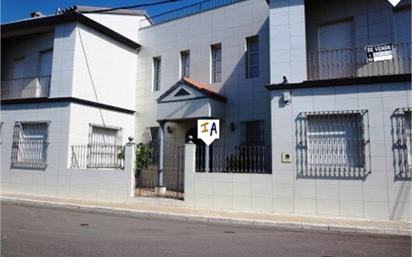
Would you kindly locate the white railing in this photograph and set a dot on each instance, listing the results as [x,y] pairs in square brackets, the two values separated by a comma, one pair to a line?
[30,87]
[97,156]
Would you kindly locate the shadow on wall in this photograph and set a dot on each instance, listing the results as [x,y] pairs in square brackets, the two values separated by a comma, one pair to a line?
[237,85]
[401,201]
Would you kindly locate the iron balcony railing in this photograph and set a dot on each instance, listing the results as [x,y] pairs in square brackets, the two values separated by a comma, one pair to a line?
[96,156]
[238,159]
[29,87]
[352,62]
[191,10]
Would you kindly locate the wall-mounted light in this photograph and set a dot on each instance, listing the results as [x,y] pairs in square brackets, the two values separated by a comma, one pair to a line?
[169,129]
[232,126]
[287,97]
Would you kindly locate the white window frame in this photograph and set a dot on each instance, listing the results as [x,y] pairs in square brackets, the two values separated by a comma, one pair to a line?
[157,71]
[214,63]
[118,137]
[249,54]
[104,155]
[184,63]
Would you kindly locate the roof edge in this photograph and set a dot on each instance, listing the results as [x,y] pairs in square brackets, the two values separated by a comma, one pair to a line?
[69,17]
[342,82]
[91,9]
[207,92]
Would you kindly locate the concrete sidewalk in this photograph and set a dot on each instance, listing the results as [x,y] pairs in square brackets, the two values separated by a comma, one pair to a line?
[163,208]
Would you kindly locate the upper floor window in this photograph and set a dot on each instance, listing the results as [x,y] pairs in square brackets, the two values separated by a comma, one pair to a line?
[45,62]
[29,147]
[185,64]
[18,68]
[252,132]
[252,57]
[156,73]
[216,69]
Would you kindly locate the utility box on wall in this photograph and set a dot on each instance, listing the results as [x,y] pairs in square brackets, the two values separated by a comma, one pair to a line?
[286,157]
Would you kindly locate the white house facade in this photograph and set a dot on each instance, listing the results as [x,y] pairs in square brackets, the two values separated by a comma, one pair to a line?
[313,98]
[58,99]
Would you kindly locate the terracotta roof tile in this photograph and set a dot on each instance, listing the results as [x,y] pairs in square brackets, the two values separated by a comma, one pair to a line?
[204,88]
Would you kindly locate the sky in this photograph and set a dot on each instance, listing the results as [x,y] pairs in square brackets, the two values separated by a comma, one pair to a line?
[12,10]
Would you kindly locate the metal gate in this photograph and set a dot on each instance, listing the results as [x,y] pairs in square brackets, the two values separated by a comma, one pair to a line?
[173,172]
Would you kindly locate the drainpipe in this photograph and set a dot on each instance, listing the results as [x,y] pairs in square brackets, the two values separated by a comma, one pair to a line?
[161,153]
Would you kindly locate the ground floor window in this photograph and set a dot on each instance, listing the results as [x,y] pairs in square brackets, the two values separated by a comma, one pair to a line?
[29,147]
[105,144]
[402,141]
[332,143]
[252,132]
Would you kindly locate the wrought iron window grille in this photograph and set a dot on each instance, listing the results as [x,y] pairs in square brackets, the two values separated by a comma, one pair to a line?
[333,144]
[29,146]
[402,142]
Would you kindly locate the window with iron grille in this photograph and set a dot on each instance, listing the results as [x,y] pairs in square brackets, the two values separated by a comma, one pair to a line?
[252,132]
[333,144]
[402,144]
[103,148]
[29,147]
[216,63]
[104,135]
[252,57]
[156,73]
[1,132]
[185,64]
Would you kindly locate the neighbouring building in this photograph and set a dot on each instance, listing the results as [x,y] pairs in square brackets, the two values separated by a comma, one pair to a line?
[314,101]
[67,86]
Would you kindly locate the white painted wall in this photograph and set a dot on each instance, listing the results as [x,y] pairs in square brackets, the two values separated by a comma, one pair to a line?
[229,25]
[82,116]
[68,123]
[109,74]
[379,196]
[113,70]
[294,30]
[127,25]
[287,41]
[373,21]
[63,60]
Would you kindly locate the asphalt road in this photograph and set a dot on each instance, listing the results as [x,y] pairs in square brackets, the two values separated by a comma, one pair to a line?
[33,231]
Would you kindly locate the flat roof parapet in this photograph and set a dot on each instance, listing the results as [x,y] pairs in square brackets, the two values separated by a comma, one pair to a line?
[190,10]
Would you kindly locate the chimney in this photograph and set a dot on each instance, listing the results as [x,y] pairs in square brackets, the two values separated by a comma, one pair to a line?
[36,14]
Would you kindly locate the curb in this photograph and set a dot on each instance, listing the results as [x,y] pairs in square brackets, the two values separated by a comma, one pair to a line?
[204,219]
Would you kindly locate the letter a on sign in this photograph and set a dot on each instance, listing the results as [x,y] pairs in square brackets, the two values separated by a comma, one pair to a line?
[208,130]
